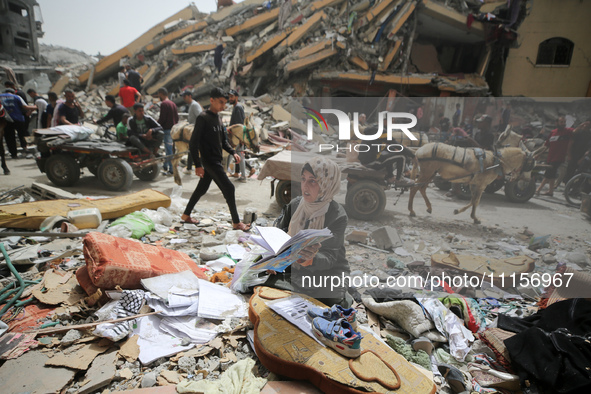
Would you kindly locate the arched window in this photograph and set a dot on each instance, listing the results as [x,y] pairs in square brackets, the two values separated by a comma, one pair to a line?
[556,51]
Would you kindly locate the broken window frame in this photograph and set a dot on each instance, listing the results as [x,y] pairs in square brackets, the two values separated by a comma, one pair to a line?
[555,52]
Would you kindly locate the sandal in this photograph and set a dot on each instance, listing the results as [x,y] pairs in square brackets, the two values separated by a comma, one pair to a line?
[241,226]
[548,194]
[190,221]
[453,376]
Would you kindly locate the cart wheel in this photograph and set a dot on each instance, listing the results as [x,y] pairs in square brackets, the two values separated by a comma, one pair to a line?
[365,200]
[441,183]
[62,170]
[520,190]
[148,173]
[495,186]
[115,174]
[286,191]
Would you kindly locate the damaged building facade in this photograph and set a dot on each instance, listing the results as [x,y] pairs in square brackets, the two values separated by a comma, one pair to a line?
[326,48]
[20,27]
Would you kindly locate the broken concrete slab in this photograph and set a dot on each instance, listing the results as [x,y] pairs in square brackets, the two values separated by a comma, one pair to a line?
[309,61]
[130,349]
[101,372]
[390,56]
[267,45]
[77,356]
[39,378]
[198,48]
[178,72]
[386,238]
[171,37]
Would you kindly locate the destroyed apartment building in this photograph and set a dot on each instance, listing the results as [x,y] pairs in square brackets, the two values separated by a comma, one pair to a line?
[323,48]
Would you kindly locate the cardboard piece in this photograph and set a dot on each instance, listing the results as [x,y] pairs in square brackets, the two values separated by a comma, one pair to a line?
[130,349]
[59,289]
[101,373]
[77,356]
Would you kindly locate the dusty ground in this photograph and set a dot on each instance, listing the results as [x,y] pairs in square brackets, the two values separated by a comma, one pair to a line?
[542,215]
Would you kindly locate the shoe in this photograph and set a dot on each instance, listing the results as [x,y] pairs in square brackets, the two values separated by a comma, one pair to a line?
[423,344]
[190,221]
[252,171]
[241,226]
[488,377]
[548,194]
[404,182]
[453,376]
[335,312]
[241,179]
[187,171]
[339,335]
[235,175]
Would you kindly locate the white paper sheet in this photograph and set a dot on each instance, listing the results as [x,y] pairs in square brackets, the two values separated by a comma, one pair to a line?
[219,264]
[236,251]
[295,310]
[160,285]
[159,304]
[271,238]
[178,297]
[219,302]
[154,342]
[190,327]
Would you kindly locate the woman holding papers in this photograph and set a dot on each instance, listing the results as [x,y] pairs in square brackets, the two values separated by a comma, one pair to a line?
[320,270]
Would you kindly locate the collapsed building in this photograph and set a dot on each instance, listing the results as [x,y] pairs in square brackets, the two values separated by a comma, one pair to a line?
[324,48]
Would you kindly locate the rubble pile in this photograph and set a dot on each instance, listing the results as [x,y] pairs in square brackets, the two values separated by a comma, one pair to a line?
[77,341]
[300,48]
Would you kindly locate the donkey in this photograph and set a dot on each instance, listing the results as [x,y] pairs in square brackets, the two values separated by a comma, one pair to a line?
[462,165]
[510,138]
[182,131]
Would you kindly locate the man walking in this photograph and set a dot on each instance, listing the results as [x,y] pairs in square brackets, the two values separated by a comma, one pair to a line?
[207,141]
[194,110]
[559,145]
[16,109]
[169,116]
[135,78]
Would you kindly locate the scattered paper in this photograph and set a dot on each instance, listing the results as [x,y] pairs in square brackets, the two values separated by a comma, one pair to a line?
[295,310]
[159,304]
[178,297]
[190,327]
[221,263]
[154,342]
[219,302]
[160,285]
[236,251]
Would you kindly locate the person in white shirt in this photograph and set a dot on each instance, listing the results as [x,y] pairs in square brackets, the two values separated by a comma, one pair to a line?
[41,105]
[194,111]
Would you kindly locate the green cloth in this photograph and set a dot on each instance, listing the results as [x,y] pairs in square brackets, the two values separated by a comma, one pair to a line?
[121,132]
[405,350]
[238,379]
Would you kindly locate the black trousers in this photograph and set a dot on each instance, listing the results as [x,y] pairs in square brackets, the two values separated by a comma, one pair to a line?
[215,172]
[10,132]
[387,160]
[142,143]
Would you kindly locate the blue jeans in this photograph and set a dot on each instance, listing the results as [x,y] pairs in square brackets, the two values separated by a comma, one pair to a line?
[168,149]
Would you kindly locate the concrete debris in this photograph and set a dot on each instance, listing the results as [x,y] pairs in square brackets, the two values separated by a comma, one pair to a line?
[70,337]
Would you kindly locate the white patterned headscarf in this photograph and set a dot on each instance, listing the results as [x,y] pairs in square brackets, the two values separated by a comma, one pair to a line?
[328,176]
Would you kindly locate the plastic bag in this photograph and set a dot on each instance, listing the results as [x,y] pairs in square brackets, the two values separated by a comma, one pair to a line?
[177,202]
[161,216]
[120,231]
[246,277]
[137,222]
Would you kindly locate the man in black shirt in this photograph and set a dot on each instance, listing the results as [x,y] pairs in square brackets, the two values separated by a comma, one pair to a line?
[144,132]
[207,141]
[70,112]
[135,78]
[116,111]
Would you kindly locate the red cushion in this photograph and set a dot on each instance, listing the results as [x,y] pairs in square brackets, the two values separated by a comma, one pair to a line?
[113,261]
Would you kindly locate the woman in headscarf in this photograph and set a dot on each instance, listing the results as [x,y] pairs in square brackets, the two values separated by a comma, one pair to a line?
[316,209]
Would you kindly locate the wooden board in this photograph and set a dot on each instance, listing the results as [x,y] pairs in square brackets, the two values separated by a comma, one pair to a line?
[286,350]
[481,265]
[30,215]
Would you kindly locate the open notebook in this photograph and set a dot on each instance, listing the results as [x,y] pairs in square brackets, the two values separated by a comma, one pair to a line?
[283,249]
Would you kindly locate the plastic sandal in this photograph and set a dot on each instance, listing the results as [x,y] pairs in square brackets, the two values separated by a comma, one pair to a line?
[241,226]
[453,376]
[190,221]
